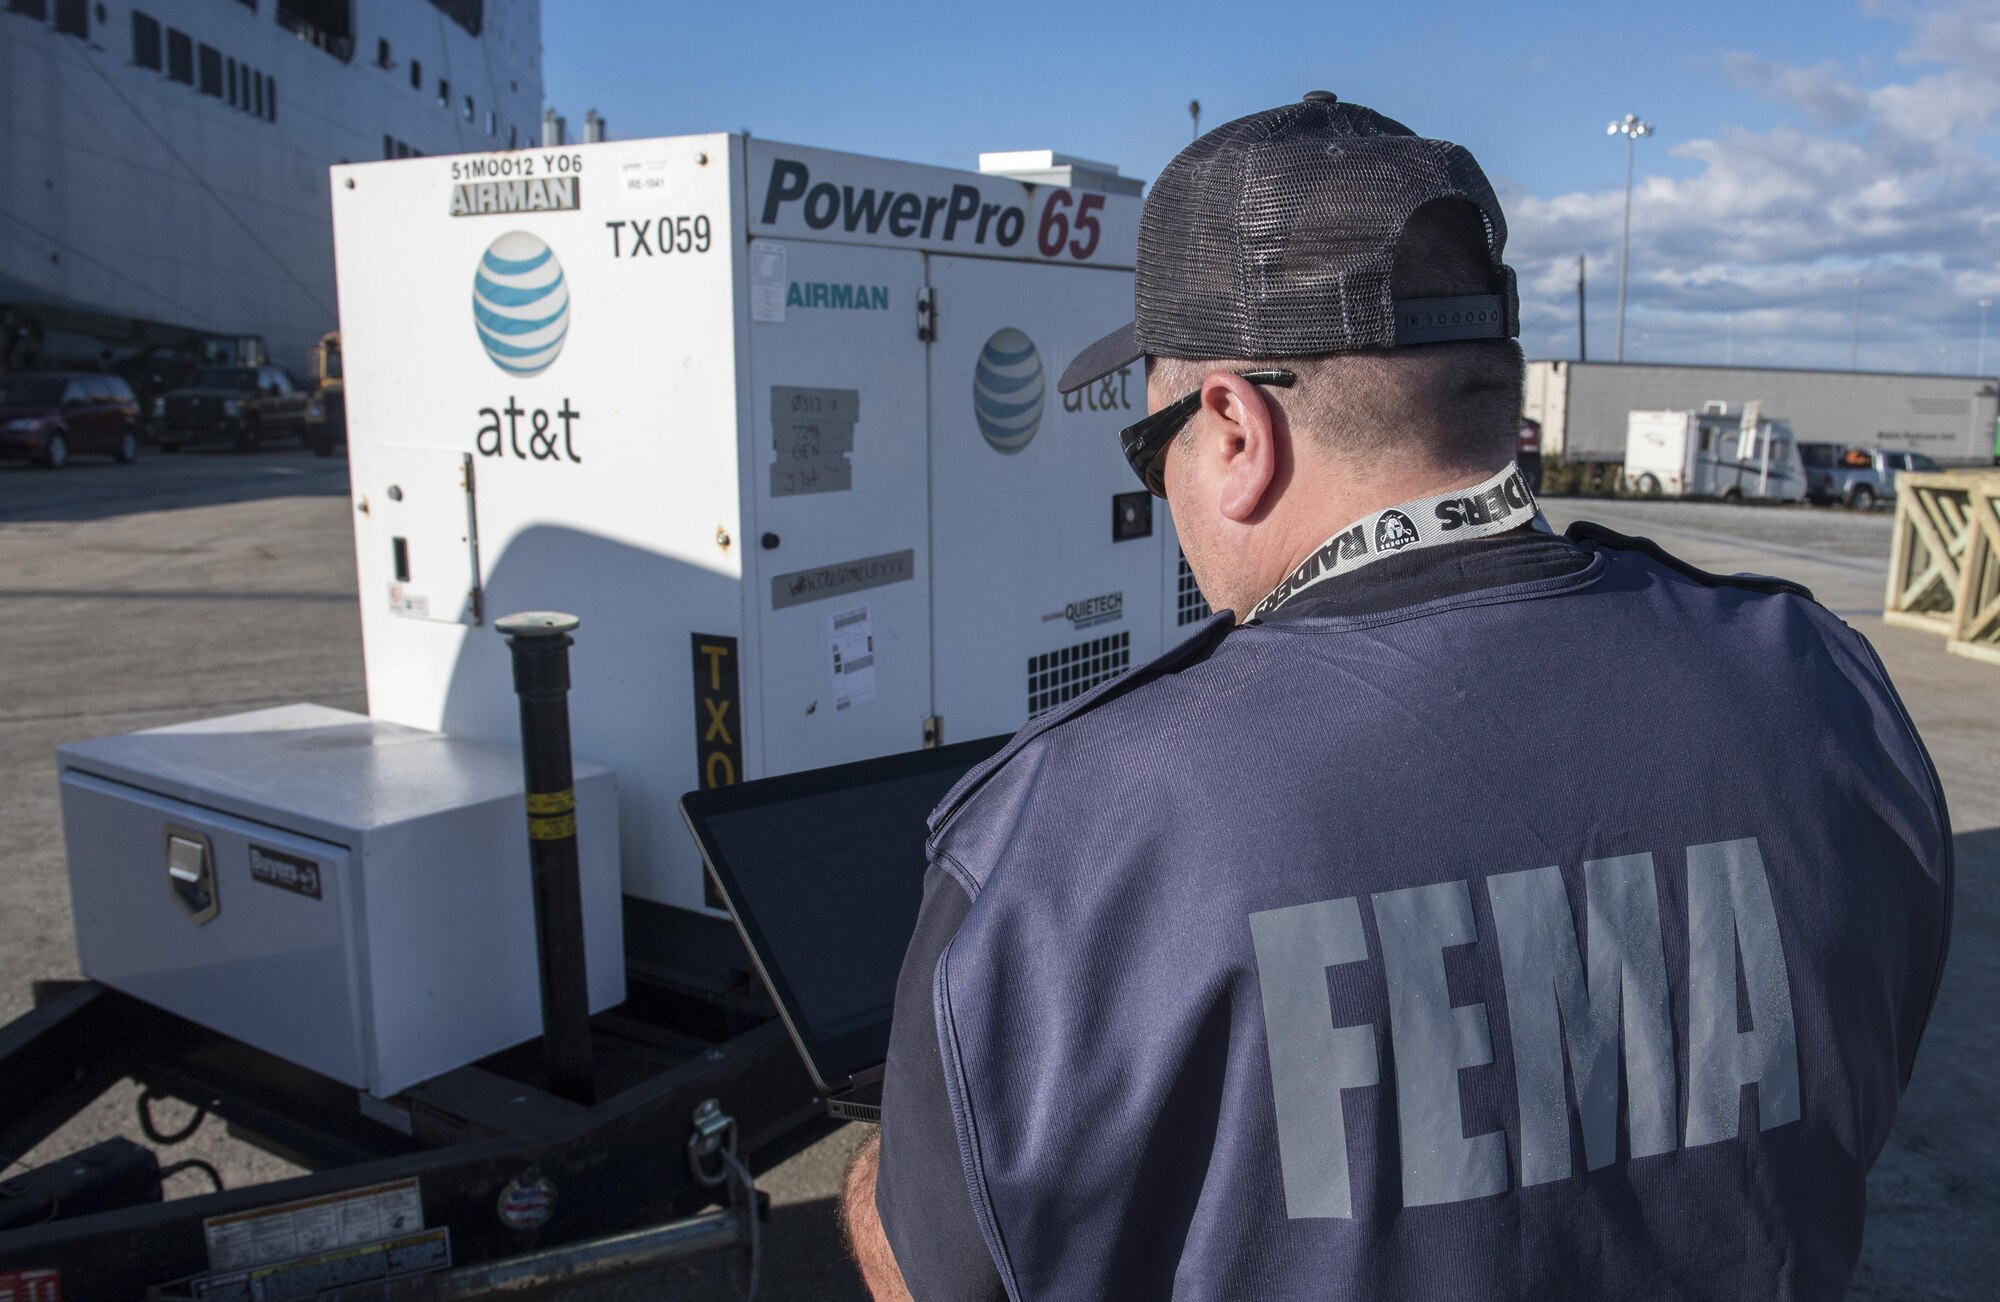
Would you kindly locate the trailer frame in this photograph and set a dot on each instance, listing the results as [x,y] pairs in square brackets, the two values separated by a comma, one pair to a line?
[678,1069]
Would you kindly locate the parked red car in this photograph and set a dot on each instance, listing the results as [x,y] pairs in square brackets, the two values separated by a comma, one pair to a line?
[49,418]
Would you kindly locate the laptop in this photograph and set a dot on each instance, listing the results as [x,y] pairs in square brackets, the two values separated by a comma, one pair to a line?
[823,873]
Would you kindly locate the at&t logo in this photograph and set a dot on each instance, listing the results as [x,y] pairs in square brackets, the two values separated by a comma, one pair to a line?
[520,304]
[1007,390]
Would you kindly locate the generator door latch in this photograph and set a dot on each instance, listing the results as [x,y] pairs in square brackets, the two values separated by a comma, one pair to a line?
[191,874]
[933,732]
[927,314]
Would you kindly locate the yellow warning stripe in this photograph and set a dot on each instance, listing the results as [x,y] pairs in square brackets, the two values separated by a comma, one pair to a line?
[552,802]
[551,827]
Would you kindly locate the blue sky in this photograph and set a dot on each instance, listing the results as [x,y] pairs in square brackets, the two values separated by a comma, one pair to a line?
[1797,145]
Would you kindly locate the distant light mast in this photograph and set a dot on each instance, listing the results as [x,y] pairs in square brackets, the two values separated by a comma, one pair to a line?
[1632,129]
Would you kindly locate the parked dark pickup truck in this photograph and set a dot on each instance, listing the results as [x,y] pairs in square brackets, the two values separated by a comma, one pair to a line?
[239,405]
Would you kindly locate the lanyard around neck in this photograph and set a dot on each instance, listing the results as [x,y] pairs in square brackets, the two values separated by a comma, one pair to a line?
[1501,503]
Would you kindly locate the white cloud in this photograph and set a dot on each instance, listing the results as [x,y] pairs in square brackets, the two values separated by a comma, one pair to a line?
[1961,101]
[1755,254]
[1822,93]
[1965,34]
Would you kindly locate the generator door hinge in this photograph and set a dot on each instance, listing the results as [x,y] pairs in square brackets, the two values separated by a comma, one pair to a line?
[934,732]
[927,314]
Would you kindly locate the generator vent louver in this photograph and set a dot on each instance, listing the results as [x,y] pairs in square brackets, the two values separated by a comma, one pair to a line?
[1190,607]
[1058,676]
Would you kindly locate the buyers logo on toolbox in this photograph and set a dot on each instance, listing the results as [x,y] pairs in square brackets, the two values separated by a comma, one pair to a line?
[287,872]
[1007,387]
[520,304]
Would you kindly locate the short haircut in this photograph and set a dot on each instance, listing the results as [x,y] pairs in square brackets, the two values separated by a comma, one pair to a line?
[1454,405]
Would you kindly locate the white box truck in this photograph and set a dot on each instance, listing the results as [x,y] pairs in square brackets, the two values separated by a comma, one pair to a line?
[779,424]
[1734,453]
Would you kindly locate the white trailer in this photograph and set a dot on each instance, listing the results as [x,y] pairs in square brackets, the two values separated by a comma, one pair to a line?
[1732,453]
[780,424]
[1582,406]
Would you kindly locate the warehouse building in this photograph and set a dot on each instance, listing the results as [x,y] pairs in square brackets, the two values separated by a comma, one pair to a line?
[1582,406]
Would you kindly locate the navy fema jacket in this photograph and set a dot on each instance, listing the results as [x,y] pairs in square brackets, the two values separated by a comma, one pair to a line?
[1530,918]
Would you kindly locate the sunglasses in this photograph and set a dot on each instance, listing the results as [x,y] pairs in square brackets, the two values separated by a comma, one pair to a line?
[1146,439]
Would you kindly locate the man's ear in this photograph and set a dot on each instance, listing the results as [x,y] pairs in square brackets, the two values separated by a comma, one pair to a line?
[1246,447]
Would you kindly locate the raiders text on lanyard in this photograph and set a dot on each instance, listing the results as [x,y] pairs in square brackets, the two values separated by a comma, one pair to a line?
[1495,506]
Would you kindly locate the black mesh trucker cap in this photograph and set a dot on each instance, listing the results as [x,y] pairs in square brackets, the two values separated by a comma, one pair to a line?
[1274,236]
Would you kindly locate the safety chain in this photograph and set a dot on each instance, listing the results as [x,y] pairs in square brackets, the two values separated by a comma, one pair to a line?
[712,1158]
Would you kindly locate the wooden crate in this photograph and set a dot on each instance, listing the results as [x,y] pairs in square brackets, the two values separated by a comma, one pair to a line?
[1936,528]
[1976,630]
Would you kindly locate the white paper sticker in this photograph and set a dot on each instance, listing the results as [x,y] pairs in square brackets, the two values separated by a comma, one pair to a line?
[405,602]
[851,639]
[289,1230]
[644,179]
[767,281]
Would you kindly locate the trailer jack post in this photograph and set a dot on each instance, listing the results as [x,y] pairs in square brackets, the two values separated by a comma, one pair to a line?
[540,644]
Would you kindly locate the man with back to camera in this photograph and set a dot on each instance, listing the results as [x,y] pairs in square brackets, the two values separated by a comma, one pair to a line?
[1477,913]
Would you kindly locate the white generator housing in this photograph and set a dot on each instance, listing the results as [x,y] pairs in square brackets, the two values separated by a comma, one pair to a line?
[1725,451]
[779,424]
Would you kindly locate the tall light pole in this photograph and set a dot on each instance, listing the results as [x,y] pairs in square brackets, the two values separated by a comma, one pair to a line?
[1632,129]
[1854,355]
[1980,367]
[1582,335]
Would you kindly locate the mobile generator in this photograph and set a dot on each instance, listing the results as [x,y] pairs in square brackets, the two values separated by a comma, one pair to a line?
[779,426]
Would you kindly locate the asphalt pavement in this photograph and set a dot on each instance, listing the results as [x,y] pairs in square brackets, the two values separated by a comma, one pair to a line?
[196,585]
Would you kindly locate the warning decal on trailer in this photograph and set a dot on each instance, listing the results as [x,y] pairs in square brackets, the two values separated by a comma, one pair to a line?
[30,1286]
[313,1276]
[313,1225]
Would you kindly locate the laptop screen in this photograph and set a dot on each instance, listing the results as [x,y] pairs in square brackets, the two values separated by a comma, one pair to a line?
[823,872]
